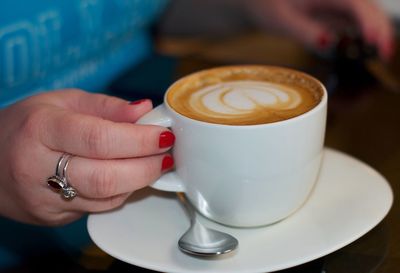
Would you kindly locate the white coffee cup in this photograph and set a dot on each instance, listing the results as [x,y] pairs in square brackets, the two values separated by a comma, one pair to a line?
[244,176]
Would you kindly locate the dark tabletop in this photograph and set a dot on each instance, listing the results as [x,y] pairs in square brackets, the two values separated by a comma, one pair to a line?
[363,121]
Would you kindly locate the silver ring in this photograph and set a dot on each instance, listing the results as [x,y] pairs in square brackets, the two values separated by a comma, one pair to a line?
[59,181]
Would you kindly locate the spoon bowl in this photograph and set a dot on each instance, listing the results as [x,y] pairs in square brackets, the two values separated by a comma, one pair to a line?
[202,241]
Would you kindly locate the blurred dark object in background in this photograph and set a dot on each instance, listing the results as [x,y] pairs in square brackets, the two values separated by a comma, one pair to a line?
[348,60]
[356,64]
[150,79]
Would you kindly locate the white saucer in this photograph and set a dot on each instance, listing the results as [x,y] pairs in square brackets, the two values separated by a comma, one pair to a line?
[349,200]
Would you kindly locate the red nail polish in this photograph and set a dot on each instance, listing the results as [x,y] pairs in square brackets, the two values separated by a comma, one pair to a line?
[167,139]
[323,41]
[371,36]
[137,102]
[167,163]
[388,52]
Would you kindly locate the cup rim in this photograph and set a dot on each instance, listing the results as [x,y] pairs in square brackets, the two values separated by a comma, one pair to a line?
[317,108]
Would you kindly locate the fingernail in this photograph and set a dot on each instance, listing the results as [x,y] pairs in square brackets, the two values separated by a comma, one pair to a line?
[371,36]
[137,102]
[323,40]
[388,52]
[167,139]
[167,163]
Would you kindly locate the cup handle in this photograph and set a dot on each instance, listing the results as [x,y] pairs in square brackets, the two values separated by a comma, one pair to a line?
[168,181]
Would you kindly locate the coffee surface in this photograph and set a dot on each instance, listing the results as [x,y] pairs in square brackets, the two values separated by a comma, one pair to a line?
[245,95]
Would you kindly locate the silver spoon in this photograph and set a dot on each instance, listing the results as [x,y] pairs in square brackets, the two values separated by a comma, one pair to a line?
[202,241]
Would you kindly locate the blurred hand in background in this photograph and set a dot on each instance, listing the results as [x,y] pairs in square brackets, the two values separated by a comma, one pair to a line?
[314,23]
[305,21]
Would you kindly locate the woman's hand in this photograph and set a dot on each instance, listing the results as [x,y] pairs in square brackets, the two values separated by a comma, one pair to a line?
[300,19]
[112,156]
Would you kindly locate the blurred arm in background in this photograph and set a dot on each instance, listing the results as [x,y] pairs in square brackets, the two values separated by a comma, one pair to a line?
[314,23]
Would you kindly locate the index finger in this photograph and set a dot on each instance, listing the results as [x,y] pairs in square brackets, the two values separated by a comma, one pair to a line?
[93,137]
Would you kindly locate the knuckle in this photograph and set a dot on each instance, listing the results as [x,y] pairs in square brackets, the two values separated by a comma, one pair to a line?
[97,140]
[20,170]
[15,168]
[33,122]
[103,180]
[56,219]
[39,216]
[115,202]
[109,203]
[49,219]
[145,143]
[150,171]
[23,144]
[35,210]
[19,174]
[104,101]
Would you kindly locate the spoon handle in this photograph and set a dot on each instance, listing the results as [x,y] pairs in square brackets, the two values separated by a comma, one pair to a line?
[189,207]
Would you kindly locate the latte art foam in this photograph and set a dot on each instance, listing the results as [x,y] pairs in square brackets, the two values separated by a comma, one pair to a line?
[239,99]
[244,95]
